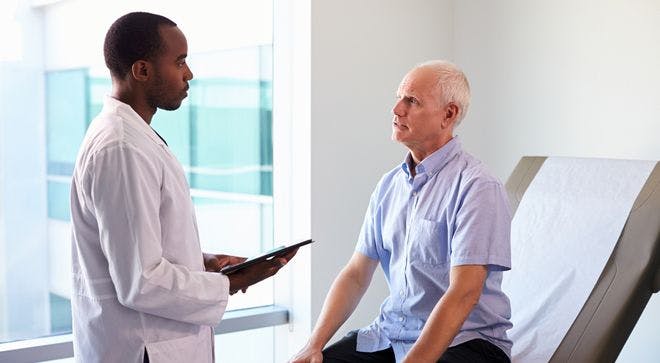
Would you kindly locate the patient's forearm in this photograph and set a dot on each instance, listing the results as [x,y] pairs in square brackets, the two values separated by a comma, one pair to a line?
[444,323]
[449,314]
[344,295]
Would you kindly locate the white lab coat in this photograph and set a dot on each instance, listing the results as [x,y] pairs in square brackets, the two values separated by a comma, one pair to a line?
[138,273]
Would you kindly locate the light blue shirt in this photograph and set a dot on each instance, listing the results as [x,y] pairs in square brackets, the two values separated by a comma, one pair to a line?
[453,212]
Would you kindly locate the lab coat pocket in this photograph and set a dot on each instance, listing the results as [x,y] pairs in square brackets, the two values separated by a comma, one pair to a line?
[428,242]
[186,349]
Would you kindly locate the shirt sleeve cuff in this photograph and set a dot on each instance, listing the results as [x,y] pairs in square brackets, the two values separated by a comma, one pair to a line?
[494,263]
[223,296]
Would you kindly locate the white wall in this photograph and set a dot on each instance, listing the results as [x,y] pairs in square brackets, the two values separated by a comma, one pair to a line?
[360,52]
[560,78]
[564,78]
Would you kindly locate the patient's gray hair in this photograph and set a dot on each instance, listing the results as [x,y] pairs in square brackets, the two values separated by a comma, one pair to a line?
[452,84]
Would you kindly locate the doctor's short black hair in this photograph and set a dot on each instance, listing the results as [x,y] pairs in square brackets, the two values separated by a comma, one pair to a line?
[133,37]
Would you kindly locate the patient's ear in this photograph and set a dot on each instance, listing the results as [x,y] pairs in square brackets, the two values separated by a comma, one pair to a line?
[451,114]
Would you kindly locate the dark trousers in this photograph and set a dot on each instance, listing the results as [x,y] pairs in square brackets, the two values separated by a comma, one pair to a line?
[473,351]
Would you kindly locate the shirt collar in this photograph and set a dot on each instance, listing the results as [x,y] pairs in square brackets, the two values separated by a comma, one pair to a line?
[113,105]
[434,162]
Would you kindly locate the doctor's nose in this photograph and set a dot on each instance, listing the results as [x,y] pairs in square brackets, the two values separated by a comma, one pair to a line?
[189,74]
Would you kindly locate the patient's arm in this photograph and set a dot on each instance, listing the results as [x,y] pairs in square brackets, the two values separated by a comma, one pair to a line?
[344,295]
[465,285]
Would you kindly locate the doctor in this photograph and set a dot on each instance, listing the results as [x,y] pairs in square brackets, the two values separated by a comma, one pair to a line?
[142,289]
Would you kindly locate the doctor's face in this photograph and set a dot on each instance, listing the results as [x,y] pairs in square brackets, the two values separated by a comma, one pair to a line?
[418,112]
[169,84]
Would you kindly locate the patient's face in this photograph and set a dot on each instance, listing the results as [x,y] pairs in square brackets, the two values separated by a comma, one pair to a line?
[418,112]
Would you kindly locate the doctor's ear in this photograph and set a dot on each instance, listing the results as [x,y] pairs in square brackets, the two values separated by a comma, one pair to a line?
[141,70]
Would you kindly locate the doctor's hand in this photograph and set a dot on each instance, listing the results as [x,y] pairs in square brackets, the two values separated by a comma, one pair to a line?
[248,276]
[214,263]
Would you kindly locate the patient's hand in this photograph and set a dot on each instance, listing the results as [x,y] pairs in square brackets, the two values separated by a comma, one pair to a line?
[308,355]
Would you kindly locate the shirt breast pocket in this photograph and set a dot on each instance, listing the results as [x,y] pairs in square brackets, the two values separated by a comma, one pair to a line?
[428,242]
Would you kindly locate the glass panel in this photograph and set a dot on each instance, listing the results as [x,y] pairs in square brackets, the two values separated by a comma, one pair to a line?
[58,200]
[67,118]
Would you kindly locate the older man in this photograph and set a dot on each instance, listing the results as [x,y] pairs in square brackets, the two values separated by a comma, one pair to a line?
[438,224]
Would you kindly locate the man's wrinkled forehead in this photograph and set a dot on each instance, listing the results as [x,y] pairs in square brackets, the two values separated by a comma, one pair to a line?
[417,81]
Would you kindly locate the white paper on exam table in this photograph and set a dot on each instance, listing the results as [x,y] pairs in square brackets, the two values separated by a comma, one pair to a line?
[562,235]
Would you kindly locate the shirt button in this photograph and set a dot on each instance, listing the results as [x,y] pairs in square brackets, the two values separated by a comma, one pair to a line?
[402,293]
[401,318]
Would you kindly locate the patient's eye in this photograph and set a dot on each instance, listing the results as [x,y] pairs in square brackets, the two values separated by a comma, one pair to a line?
[411,100]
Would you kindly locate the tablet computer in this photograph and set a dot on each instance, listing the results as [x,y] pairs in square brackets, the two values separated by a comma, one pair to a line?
[279,251]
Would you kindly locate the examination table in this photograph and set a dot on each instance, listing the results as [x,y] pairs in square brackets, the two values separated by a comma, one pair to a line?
[624,286]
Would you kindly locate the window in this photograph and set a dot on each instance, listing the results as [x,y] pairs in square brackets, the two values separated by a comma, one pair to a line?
[53,82]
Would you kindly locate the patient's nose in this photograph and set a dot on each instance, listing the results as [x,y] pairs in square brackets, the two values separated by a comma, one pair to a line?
[399,108]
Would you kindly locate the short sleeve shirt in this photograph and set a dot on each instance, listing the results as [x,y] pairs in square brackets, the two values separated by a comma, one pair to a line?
[451,213]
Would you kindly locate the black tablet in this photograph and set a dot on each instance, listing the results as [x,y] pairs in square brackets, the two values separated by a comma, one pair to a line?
[279,251]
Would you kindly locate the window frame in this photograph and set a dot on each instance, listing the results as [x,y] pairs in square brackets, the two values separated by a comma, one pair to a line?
[61,346]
